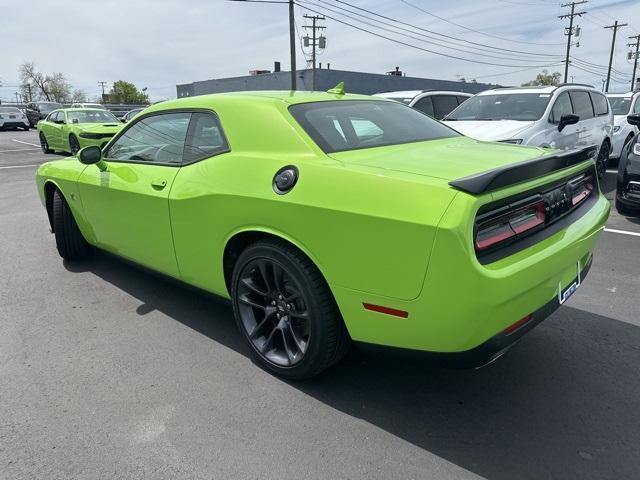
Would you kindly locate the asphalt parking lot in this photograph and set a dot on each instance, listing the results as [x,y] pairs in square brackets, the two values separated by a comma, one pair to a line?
[107,371]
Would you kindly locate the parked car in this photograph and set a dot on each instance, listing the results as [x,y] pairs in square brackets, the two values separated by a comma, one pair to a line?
[623,104]
[130,114]
[628,181]
[13,117]
[36,111]
[70,129]
[435,103]
[88,105]
[330,217]
[564,117]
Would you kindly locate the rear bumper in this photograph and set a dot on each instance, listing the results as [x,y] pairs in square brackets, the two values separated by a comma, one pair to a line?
[14,124]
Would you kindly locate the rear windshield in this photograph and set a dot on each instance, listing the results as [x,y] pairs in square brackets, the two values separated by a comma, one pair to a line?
[9,110]
[340,125]
[505,106]
[48,107]
[620,105]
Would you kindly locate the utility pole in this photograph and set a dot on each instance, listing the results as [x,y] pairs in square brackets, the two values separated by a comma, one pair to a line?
[615,28]
[102,84]
[292,44]
[635,59]
[29,90]
[315,42]
[569,31]
[17,98]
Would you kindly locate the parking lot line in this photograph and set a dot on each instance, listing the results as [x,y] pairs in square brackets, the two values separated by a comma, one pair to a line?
[624,232]
[21,166]
[26,143]
[20,150]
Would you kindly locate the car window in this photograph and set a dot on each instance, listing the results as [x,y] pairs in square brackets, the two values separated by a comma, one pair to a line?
[636,107]
[600,103]
[560,108]
[91,116]
[425,105]
[461,99]
[365,124]
[158,138]
[204,138]
[582,105]
[57,116]
[443,105]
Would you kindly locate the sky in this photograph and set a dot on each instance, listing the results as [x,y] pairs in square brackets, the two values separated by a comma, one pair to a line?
[158,43]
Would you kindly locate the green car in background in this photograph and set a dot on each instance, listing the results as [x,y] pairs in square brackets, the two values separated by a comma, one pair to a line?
[70,129]
[328,218]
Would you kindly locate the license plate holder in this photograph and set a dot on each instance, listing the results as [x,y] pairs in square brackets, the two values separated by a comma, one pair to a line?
[564,294]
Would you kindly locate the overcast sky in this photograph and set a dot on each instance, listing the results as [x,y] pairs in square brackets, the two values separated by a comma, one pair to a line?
[158,43]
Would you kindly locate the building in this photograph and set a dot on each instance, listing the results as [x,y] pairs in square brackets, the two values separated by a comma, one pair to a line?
[355,82]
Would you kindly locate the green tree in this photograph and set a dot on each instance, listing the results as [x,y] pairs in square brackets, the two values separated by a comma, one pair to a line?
[127,92]
[544,78]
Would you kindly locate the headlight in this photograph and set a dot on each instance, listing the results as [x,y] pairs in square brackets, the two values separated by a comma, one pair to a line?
[515,141]
[636,149]
[616,129]
[90,135]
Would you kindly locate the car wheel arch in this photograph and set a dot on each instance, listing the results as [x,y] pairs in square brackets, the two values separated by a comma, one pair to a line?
[239,240]
[49,189]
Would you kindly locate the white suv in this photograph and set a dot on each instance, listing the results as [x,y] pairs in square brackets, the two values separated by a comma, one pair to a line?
[435,103]
[564,116]
[13,117]
[623,104]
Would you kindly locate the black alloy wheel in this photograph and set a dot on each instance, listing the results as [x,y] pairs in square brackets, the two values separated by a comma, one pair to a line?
[44,145]
[74,145]
[603,159]
[286,311]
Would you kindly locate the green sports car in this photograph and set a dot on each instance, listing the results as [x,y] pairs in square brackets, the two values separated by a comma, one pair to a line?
[329,218]
[70,129]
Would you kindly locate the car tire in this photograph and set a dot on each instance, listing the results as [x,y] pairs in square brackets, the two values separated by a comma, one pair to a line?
[602,161]
[286,311]
[70,243]
[74,144]
[26,129]
[624,210]
[44,145]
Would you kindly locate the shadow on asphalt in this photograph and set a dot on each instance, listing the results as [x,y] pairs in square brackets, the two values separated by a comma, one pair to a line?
[563,403]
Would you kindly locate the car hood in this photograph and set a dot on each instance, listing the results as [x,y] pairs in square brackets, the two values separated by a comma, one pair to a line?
[490,130]
[98,127]
[447,159]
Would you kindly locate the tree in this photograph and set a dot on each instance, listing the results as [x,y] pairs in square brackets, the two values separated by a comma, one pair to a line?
[127,92]
[544,78]
[78,96]
[54,87]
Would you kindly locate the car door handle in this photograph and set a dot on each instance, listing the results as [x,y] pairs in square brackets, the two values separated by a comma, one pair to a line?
[158,184]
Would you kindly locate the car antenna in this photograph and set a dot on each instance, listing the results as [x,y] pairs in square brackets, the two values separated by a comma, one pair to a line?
[338,89]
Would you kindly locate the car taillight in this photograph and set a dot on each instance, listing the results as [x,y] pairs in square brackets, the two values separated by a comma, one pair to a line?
[581,190]
[505,226]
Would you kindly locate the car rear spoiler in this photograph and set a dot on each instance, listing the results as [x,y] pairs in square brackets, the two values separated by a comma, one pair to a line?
[522,171]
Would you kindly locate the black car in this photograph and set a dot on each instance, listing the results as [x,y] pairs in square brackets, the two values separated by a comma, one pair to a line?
[628,186]
[36,111]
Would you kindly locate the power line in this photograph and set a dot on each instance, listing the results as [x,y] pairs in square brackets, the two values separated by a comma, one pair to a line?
[438,42]
[410,45]
[473,29]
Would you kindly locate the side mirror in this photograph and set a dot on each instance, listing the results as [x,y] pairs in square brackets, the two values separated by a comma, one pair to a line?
[568,119]
[634,119]
[90,155]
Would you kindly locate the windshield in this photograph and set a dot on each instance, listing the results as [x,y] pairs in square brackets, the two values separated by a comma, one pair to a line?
[9,110]
[620,105]
[505,106]
[48,107]
[348,125]
[91,116]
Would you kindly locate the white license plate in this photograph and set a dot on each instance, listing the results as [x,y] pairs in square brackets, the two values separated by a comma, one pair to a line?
[12,116]
[564,294]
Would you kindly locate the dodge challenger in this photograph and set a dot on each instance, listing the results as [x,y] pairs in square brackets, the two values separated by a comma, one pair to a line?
[331,218]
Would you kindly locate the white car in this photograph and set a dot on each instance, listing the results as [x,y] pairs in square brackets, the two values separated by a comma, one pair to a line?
[88,105]
[435,103]
[13,117]
[623,104]
[565,116]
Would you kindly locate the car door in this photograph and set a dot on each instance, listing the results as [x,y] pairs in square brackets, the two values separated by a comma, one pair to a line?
[587,126]
[603,119]
[54,128]
[127,203]
[569,136]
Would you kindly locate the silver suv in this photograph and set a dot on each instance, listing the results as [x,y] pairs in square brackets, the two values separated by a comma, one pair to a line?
[623,104]
[564,117]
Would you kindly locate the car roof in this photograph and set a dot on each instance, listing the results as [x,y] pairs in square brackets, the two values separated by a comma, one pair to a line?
[628,94]
[415,93]
[540,89]
[77,109]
